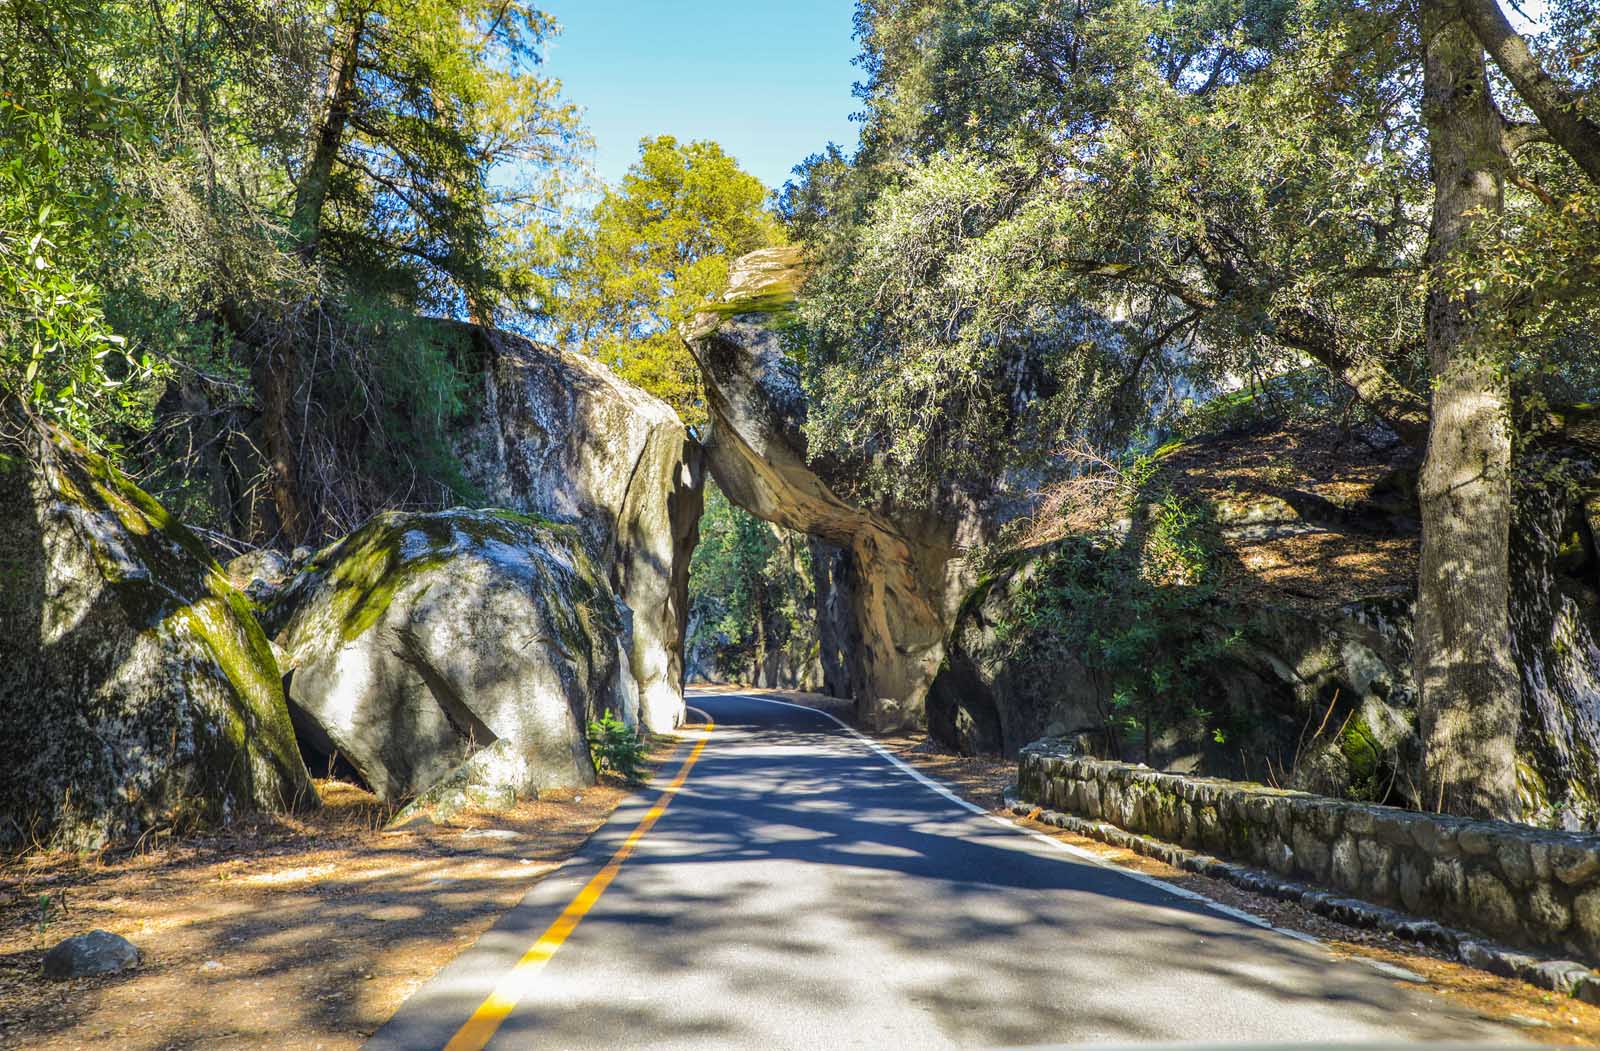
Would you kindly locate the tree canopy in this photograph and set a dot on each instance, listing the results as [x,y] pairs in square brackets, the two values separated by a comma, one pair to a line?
[658,246]
[239,213]
[1097,212]
[1066,223]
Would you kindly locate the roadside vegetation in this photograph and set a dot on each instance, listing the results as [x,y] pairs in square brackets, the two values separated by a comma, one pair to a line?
[1066,225]
[1064,228]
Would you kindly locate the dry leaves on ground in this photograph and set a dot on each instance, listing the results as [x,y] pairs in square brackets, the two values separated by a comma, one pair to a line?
[290,934]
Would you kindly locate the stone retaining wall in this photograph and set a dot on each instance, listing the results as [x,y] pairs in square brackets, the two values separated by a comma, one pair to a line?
[1522,885]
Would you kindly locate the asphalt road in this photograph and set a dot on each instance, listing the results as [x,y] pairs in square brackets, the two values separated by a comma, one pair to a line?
[801,891]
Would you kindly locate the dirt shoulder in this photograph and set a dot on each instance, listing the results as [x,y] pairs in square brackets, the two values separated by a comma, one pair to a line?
[287,934]
[1549,1018]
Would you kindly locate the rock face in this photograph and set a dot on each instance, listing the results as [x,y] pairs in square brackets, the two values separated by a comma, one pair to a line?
[259,574]
[466,649]
[560,436]
[1555,618]
[1352,660]
[139,690]
[1314,547]
[897,572]
[1293,636]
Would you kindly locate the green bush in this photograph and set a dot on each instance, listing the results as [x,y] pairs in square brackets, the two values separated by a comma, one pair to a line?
[58,352]
[616,747]
[1142,610]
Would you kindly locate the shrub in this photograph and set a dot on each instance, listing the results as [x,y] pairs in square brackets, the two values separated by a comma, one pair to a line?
[1140,608]
[615,747]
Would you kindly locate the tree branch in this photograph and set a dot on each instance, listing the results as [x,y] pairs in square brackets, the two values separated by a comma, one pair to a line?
[1403,409]
[1556,107]
[1516,135]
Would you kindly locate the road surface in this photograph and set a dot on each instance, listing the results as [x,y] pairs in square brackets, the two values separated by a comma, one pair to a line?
[802,891]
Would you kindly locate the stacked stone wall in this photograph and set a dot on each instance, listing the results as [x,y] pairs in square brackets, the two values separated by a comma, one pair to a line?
[1526,886]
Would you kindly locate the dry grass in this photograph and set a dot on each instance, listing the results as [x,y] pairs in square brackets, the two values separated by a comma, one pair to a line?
[287,934]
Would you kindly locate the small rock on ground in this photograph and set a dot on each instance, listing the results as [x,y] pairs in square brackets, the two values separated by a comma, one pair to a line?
[1389,970]
[98,952]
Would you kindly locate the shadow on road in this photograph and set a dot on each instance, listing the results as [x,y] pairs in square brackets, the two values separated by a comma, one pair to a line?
[798,871]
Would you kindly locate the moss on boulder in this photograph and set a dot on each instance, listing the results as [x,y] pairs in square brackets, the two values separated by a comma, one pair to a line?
[765,282]
[140,692]
[422,641]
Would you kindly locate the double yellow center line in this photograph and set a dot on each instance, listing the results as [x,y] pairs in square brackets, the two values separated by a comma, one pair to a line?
[519,980]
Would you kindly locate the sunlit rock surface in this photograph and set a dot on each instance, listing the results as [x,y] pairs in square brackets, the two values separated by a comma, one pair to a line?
[561,436]
[903,574]
[464,646]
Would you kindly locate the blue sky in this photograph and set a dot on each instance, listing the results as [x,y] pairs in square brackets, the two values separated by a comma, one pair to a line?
[768,79]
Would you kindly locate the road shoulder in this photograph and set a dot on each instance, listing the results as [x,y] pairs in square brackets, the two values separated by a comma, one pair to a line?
[290,933]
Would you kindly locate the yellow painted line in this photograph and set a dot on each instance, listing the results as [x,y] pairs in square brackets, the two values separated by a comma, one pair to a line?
[517,983]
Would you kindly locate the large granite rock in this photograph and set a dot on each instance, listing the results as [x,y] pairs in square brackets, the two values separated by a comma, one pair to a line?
[1345,667]
[1555,618]
[1312,542]
[901,568]
[1291,631]
[561,436]
[460,648]
[139,691]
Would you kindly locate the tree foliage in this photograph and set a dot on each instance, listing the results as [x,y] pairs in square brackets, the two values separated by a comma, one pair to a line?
[657,247]
[224,222]
[434,138]
[57,349]
[1068,222]
[1070,219]
[750,590]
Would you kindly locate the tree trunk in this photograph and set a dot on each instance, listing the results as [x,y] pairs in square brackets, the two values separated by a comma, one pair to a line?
[276,374]
[761,632]
[277,370]
[1559,108]
[1470,695]
[328,136]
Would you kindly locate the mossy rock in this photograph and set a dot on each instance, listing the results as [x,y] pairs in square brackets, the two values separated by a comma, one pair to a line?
[1363,756]
[141,692]
[421,640]
[765,288]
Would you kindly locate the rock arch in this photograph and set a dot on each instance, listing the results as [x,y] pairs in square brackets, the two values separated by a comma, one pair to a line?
[897,573]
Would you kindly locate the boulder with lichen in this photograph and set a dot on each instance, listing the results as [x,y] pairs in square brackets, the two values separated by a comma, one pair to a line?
[559,435]
[461,646]
[139,692]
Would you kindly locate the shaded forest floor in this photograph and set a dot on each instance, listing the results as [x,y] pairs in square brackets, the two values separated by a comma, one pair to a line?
[290,934]
[1548,1018]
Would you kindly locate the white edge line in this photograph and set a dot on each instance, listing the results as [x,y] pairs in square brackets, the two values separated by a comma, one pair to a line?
[1077,852]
